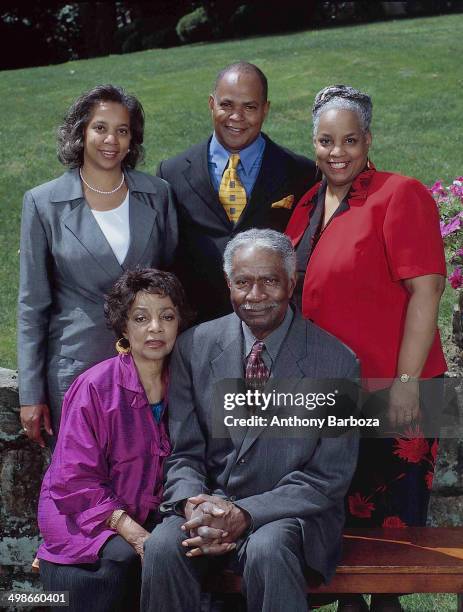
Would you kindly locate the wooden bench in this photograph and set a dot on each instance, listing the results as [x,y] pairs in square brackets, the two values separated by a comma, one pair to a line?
[409,560]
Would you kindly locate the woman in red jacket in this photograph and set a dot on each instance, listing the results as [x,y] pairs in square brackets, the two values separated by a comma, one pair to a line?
[371,271]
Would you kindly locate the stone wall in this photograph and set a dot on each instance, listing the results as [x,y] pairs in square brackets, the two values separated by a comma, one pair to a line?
[22,465]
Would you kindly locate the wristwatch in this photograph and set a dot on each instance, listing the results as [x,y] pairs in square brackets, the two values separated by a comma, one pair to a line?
[405,378]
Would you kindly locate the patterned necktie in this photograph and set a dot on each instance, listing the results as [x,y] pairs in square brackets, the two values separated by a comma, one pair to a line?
[257,372]
[232,194]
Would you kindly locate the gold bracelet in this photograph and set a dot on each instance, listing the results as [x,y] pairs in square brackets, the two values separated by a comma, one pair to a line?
[115,518]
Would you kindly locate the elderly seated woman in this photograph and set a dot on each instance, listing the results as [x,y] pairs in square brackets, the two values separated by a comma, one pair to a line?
[100,494]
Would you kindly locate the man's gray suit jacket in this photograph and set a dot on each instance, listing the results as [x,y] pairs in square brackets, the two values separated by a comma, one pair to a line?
[271,478]
[67,267]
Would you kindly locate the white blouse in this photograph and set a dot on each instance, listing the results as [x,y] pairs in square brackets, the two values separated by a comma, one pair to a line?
[115,226]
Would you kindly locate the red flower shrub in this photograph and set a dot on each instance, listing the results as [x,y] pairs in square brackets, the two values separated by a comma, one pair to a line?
[393,521]
[360,506]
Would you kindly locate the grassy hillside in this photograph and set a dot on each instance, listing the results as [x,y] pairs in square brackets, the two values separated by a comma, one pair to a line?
[411,68]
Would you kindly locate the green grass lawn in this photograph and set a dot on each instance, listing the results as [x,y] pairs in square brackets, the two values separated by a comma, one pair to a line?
[412,68]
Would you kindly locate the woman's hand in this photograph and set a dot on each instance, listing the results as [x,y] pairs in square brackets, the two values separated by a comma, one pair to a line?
[404,402]
[419,333]
[31,416]
[133,533]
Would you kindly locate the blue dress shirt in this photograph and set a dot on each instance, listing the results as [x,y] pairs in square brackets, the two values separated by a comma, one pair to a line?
[248,168]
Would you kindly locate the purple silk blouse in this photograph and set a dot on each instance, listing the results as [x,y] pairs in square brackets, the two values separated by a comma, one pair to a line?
[110,454]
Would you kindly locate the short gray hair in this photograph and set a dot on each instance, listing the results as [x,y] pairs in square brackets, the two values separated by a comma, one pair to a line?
[345,98]
[265,239]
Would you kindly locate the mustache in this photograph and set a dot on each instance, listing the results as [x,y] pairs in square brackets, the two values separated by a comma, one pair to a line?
[249,307]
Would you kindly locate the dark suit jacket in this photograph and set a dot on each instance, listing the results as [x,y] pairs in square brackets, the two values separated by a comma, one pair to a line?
[270,477]
[204,228]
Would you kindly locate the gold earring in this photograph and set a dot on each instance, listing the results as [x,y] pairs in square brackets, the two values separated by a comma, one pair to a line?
[368,163]
[120,348]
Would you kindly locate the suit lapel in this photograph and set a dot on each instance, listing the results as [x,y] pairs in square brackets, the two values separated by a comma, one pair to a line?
[289,364]
[141,220]
[293,352]
[272,174]
[197,175]
[83,225]
[228,364]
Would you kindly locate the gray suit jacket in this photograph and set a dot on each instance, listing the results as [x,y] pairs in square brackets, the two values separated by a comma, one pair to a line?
[271,478]
[66,268]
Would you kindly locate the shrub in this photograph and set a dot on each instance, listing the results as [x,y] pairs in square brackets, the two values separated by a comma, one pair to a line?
[450,203]
[195,27]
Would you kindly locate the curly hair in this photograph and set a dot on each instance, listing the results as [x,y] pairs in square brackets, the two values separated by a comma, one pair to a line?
[124,291]
[71,133]
[346,98]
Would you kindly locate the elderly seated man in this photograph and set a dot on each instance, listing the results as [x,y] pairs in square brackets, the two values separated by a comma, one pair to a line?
[267,507]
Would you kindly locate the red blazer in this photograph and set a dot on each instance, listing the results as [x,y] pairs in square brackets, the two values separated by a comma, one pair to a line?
[352,287]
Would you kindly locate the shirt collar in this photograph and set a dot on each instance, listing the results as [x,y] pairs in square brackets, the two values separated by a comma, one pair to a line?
[357,194]
[219,155]
[128,379]
[128,374]
[273,341]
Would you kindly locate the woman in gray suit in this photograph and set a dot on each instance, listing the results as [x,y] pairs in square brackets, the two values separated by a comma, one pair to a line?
[79,232]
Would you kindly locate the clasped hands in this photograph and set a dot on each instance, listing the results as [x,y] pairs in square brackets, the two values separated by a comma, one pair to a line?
[214,525]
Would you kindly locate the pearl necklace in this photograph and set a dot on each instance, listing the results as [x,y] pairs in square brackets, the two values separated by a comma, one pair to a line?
[99,190]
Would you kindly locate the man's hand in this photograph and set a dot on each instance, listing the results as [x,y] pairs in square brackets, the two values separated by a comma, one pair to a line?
[210,539]
[202,506]
[133,533]
[215,525]
[404,402]
[31,419]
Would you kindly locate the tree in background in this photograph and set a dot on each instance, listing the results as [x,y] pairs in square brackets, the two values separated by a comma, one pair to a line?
[149,24]
[97,22]
[37,34]
[53,31]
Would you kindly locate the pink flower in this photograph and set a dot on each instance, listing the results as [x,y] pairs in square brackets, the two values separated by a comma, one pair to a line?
[456,278]
[452,226]
[393,521]
[438,189]
[456,188]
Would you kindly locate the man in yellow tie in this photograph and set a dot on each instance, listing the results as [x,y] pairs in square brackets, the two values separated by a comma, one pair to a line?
[235,180]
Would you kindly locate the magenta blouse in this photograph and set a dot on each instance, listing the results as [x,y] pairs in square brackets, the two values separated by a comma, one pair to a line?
[110,454]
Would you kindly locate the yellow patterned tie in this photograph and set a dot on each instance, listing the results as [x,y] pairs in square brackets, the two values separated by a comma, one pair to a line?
[232,194]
